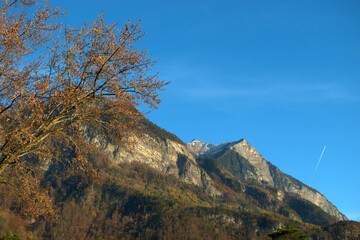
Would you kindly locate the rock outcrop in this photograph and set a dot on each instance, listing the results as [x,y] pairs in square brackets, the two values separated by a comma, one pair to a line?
[197,147]
[169,156]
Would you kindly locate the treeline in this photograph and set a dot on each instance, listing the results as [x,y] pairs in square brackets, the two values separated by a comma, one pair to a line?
[131,201]
[155,131]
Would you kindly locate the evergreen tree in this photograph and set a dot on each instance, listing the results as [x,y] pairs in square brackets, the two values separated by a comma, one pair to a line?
[290,232]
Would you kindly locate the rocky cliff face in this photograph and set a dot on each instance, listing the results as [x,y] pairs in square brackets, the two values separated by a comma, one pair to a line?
[242,160]
[169,156]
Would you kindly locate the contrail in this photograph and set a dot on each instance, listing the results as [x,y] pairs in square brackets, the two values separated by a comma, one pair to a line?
[320,159]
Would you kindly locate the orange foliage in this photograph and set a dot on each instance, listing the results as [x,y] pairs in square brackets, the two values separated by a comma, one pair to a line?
[55,86]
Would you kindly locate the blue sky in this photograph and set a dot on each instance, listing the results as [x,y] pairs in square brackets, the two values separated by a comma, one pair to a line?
[285,75]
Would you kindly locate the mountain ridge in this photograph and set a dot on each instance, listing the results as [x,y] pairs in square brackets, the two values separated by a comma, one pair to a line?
[265,172]
[166,152]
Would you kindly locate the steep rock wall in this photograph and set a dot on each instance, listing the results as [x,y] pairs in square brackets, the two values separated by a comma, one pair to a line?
[166,155]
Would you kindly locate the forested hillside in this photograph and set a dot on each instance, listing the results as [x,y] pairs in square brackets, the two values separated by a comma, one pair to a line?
[136,201]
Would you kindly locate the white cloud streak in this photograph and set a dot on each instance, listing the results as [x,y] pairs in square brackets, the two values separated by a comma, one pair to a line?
[317,165]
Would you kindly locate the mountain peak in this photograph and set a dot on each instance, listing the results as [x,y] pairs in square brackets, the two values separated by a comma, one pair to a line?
[197,147]
[195,141]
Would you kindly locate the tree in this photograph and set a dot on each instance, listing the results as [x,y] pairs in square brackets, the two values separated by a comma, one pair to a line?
[56,82]
[290,232]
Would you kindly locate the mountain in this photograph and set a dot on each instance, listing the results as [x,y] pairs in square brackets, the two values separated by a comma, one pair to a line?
[159,187]
[239,158]
[247,164]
